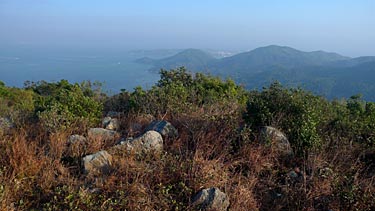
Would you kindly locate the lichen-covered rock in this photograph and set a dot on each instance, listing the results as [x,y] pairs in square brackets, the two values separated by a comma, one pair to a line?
[149,141]
[211,199]
[277,139]
[98,163]
[102,134]
[76,146]
[76,139]
[163,127]
[111,123]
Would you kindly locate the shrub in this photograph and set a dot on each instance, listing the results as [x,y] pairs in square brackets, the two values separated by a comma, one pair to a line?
[178,91]
[16,104]
[61,104]
[296,112]
[355,120]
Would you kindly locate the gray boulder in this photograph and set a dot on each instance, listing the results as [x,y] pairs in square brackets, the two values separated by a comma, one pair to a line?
[73,139]
[211,199]
[163,127]
[106,120]
[76,145]
[102,134]
[110,123]
[98,163]
[149,141]
[279,142]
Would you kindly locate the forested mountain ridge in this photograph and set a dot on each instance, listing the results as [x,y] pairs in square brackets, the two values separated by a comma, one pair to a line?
[260,59]
[328,74]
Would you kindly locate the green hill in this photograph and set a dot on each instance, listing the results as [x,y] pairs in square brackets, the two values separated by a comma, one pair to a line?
[192,59]
[264,58]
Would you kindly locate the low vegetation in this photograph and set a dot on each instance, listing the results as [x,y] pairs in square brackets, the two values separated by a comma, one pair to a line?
[332,167]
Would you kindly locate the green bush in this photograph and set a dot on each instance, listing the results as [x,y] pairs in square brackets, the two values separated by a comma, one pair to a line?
[61,104]
[179,92]
[355,120]
[118,102]
[16,104]
[296,112]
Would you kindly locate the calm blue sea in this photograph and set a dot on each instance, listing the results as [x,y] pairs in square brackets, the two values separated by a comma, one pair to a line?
[115,68]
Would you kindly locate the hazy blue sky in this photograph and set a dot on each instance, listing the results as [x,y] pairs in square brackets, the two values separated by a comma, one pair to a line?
[343,26]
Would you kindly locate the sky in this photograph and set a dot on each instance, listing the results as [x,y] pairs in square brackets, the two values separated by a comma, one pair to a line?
[343,26]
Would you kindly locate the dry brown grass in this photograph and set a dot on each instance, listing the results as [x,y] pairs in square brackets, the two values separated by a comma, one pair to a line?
[242,195]
[30,169]
[41,171]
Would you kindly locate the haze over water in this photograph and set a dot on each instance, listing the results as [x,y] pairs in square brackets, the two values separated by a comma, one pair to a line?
[90,39]
[115,69]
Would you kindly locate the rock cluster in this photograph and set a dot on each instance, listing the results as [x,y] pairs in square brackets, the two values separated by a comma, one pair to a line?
[100,163]
[150,141]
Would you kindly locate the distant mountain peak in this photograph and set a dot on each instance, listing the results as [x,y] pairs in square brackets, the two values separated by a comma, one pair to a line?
[193,52]
[275,47]
[279,48]
[189,54]
[275,55]
[192,59]
[145,60]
